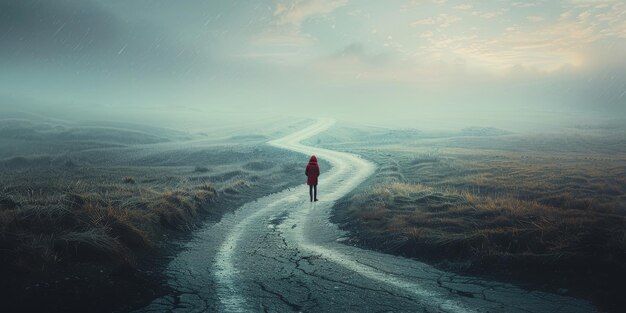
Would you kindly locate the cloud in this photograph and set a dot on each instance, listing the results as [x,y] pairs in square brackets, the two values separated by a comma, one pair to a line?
[547,49]
[463,7]
[355,62]
[535,18]
[442,20]
[285,28]
[356,52]
[284,37]
[567,42]
[489,15]
[545,46]
[412,4]
[525,4]
[541,45]
[295,13]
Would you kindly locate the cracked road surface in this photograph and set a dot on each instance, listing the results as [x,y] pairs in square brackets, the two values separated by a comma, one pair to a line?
[280,253]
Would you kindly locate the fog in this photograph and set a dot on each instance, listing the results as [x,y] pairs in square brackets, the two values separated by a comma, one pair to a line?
[408,63]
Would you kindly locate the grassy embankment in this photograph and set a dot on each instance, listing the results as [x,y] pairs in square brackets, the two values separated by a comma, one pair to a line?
[81,208]
[509,209]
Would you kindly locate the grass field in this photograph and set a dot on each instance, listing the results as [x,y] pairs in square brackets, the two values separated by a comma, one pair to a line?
[83,208]
[544,210]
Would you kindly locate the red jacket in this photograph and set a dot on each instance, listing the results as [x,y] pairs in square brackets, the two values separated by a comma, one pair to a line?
[312,171]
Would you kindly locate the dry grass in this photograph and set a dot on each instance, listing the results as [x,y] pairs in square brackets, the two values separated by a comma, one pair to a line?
[557,223]
[479,226]
[237,186]
[114,215]
[116,224]
[81,207]
[128,180]
[547,209]
[180,209]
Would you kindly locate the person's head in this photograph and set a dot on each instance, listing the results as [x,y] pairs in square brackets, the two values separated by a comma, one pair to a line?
[313,159]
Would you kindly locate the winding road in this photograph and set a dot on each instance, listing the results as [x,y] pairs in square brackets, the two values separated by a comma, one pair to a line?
[280,253]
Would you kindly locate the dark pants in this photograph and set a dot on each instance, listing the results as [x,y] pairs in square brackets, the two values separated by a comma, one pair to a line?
[313,192]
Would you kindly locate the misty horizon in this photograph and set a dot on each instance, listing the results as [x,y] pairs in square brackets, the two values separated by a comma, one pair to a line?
[432,62]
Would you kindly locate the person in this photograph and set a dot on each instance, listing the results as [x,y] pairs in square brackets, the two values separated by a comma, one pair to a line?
[312,172]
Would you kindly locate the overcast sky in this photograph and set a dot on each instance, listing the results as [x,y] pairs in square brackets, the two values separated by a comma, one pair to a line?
[392,59]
